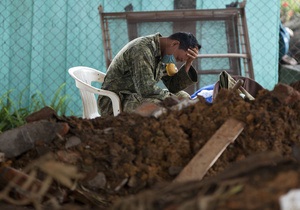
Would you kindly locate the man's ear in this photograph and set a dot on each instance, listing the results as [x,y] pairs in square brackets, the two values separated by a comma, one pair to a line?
[175,42]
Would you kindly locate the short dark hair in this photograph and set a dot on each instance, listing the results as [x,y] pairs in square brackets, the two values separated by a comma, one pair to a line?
[187,40]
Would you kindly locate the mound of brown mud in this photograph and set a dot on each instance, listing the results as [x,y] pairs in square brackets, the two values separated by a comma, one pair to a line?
[127,154]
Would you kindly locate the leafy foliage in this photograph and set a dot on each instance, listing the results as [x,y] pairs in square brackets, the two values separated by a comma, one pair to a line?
[13,115]
[289,9]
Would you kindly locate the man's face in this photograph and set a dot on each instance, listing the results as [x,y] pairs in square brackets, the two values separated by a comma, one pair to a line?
[181,55]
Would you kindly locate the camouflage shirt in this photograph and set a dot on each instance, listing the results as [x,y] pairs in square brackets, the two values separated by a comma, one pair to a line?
[134,74]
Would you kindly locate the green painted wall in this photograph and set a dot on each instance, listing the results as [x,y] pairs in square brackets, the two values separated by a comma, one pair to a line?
[40,40]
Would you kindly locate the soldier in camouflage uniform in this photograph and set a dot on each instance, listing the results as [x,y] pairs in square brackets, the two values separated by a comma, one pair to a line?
[135,71]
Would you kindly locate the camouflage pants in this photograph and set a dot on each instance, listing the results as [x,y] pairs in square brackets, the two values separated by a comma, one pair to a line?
[130,101]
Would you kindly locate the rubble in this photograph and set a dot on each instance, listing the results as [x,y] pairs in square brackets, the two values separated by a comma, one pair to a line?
[256,182]
[17,141]
[133,155]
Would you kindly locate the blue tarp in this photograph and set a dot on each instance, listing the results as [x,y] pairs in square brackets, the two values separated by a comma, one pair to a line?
[284,40]
[206,92]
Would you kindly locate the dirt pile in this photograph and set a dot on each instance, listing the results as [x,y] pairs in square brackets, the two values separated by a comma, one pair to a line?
[256,182]
[127,154]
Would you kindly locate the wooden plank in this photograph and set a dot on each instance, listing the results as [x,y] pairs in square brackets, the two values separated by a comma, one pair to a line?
[211,151]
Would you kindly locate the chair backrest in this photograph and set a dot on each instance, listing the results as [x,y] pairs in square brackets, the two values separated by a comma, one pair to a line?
[84,76]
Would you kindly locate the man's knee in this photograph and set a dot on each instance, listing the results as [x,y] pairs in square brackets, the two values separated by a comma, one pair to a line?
[182,94]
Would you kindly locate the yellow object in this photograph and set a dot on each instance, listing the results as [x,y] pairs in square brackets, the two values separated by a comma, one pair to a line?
[171,69]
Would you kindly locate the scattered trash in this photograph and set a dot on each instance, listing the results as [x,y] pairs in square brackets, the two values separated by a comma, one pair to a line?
[291,200]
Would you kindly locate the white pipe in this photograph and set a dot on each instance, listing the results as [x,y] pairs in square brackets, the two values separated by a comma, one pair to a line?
[228,55]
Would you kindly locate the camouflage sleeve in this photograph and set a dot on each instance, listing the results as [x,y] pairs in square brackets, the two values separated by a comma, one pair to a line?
[181,80]
[143,74]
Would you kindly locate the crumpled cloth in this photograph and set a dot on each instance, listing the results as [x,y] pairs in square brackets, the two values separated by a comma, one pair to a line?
[248,89]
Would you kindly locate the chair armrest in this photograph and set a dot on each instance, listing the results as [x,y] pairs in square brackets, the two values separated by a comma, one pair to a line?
[116,103]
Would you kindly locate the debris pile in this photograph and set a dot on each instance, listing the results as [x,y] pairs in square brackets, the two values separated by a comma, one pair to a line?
[130,154]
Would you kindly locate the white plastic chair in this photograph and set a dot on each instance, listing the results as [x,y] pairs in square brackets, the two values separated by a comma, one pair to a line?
[84,76]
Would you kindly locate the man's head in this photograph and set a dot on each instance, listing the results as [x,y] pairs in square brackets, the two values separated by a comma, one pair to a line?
[178,45]
[186,40]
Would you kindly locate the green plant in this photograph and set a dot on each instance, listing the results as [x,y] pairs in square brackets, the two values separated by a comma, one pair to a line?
[289,8]
[13,114]
[59,102]
[10,115]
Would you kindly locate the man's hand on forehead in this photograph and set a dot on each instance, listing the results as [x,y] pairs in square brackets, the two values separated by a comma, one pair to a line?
[192,52]
[194,49]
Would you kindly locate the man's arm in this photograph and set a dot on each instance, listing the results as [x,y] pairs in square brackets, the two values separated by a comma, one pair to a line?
[192,54]
[181,80]
[143,68]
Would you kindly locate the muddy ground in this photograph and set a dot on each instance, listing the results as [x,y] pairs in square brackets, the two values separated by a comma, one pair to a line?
[130,161]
